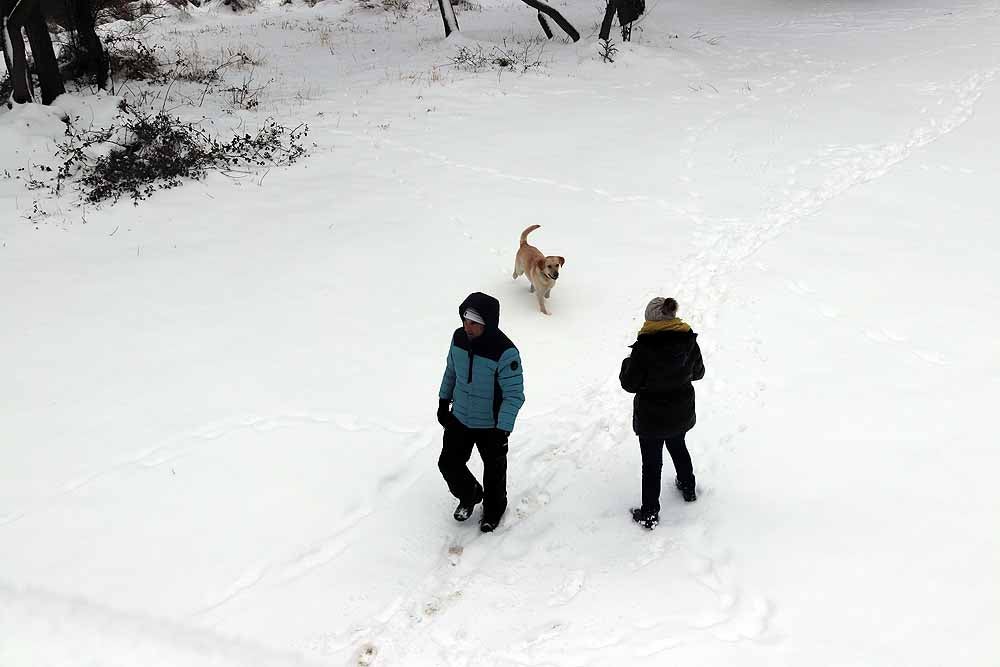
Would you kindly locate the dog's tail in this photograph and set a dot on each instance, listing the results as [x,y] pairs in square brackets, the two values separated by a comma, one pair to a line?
[524,234]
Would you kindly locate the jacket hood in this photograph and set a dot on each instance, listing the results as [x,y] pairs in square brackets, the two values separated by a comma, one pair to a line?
[486,306]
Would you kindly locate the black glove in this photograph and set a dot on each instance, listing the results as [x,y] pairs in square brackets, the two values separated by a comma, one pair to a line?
[500,436]
[443,413]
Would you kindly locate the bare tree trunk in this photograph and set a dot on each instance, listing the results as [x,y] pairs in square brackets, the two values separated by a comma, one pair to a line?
[95,58]
[448,16]
[13,54]
[5,43]
[44,56]
[556,16]
[609,16]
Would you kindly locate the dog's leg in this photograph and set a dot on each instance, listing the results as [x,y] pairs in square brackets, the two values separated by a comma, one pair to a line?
[517,271]
[532,289]
[541,303]
[548,293]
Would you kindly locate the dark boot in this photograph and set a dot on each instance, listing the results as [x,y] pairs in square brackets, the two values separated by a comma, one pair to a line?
[687,489]
[466,507]
[645,518]
[492,446]
[489,522]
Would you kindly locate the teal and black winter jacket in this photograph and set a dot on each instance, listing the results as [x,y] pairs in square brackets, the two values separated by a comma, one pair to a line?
[483,377]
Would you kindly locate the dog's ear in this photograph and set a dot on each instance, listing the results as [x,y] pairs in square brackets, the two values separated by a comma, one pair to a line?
[562,260]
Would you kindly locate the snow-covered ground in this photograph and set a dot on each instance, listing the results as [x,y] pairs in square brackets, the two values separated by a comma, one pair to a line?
[217,433]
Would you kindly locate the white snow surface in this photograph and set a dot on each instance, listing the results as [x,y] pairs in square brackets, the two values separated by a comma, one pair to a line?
[217,433]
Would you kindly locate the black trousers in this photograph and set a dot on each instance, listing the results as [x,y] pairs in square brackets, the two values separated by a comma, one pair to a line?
[455,454]
[652,465]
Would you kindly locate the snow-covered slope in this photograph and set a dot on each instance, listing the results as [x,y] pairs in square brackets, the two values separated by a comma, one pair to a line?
[217,440]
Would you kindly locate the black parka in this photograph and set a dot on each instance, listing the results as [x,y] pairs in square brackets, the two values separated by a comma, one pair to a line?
[659,372]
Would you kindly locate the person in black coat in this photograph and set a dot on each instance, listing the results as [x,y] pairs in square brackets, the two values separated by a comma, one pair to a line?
[665,360]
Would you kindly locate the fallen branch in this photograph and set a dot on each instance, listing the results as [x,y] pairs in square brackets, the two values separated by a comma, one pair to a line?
[556,16]
[545,25]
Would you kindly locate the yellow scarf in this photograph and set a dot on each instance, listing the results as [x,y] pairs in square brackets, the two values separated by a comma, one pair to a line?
[675,324]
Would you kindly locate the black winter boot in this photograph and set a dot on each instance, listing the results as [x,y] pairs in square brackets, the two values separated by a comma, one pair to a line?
[466,507]
[687,490]
[646,519]
[489,523]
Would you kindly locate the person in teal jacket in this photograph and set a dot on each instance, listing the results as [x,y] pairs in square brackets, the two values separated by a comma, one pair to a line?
[483,385]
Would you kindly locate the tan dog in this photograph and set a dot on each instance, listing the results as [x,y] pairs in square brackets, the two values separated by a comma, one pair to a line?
[542,270]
